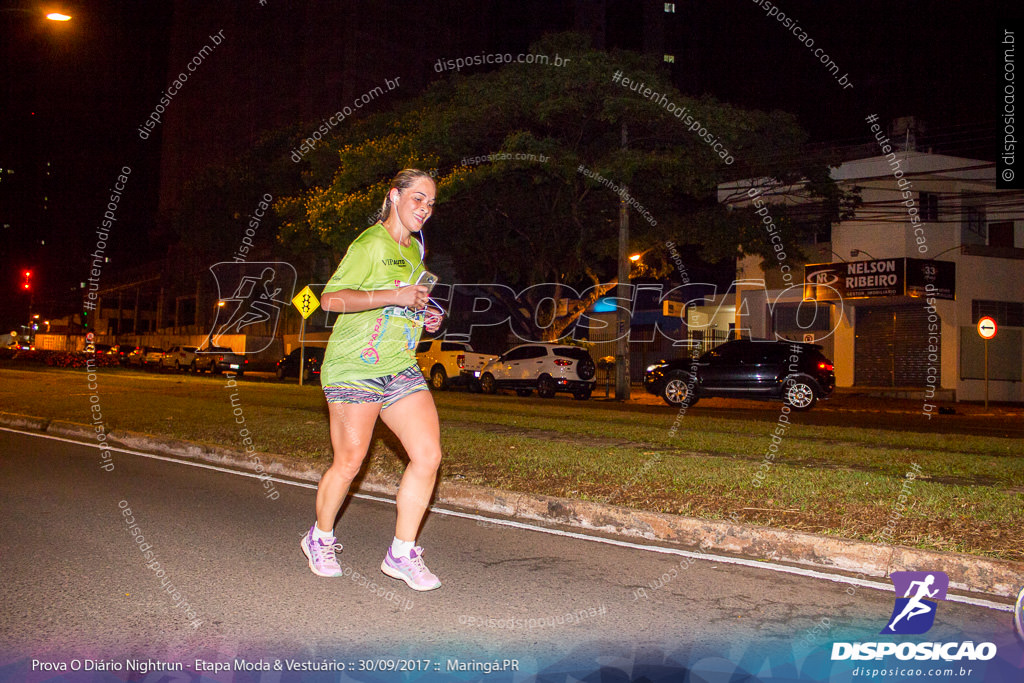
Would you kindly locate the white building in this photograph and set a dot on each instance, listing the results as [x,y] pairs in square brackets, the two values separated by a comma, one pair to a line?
[901,286]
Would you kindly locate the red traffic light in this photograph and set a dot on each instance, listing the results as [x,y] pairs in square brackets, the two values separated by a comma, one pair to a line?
[27,284]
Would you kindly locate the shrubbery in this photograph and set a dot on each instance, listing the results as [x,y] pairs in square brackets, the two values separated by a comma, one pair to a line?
[56,359]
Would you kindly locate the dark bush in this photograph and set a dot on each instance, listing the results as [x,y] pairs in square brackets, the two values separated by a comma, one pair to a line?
[57,359]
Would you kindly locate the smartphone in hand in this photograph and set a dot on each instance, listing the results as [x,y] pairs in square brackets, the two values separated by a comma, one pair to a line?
[428,280]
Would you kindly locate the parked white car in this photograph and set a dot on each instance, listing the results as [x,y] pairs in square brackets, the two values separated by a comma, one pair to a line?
[178,358]
[548,368]
[446,363]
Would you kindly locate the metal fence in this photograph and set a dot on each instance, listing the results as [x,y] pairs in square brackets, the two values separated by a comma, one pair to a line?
[642,355]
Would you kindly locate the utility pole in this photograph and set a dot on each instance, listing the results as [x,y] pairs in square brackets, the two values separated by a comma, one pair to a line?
[622,293]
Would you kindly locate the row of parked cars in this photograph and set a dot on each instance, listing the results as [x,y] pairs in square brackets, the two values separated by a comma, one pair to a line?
[209,358]
[797,374]
[544,368]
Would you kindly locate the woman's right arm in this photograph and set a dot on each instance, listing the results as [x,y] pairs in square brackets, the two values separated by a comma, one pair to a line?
[355,300]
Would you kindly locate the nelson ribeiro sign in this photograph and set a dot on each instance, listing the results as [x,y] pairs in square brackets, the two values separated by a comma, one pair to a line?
[880,278]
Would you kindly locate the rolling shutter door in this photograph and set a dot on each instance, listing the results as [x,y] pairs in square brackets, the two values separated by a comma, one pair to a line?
[891,347]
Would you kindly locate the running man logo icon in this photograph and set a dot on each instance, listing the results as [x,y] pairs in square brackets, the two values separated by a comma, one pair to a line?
[914,613]
[251,296]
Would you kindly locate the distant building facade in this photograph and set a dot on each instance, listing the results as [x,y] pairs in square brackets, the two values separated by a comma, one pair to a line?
[898,291]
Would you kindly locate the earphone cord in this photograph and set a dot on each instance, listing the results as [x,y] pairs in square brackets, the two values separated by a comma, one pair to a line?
[423,250]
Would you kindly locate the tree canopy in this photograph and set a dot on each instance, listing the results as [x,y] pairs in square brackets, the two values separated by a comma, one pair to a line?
[532,162]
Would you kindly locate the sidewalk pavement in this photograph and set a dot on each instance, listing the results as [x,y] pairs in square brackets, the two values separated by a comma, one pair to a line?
[843,558]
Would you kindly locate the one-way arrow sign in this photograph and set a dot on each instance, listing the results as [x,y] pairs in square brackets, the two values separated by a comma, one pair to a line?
[987,328]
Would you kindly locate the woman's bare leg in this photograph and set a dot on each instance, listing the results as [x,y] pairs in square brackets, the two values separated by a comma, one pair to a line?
[414,421]
[351,431]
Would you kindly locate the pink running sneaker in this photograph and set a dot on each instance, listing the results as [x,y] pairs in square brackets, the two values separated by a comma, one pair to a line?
[320,554]
[411,570]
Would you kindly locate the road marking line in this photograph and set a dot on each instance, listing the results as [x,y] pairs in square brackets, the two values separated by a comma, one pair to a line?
[725,559]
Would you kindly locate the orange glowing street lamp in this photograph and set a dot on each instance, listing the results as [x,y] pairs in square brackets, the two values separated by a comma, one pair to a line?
[51,16]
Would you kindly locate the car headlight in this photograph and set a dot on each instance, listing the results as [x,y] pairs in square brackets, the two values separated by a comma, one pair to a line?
[656,366]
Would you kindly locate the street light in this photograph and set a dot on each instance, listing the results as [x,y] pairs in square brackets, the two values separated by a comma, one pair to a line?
[854,253]
[637,266]
[822,252]
[52,16]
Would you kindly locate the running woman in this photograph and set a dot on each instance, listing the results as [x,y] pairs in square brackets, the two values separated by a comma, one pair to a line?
[369,371]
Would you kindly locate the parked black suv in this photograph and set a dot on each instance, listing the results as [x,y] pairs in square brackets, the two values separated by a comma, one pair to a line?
[793,372]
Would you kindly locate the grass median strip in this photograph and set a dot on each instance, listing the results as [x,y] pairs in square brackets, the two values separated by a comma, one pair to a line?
[842,482]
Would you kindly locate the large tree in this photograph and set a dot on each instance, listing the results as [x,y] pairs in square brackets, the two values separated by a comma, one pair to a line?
[520,153]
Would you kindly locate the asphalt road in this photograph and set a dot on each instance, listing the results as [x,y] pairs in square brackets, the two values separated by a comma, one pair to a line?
[75,584]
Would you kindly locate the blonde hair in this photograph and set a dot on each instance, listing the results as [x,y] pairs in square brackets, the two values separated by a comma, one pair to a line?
[403,181]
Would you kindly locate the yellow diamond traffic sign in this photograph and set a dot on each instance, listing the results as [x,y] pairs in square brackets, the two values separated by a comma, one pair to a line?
[306,302]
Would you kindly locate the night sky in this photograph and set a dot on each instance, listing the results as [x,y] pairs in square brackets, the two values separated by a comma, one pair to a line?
[74,94]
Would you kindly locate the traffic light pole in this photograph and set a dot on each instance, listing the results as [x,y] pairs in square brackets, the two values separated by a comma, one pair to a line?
[31,332]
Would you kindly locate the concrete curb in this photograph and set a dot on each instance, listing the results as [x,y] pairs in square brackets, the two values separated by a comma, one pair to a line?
[15,421]
[992,577]
[71,430]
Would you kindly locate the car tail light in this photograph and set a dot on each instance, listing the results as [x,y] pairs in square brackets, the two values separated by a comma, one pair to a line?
[461,360]
[245,362]
[562,362]
[827,367]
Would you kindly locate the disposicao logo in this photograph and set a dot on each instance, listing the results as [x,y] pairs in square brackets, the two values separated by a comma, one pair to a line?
[917,596]
[914,613]
[1018,615]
